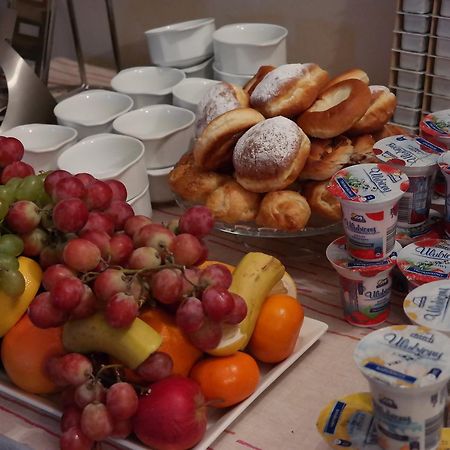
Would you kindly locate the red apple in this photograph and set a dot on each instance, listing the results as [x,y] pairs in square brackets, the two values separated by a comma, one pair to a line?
[172,416]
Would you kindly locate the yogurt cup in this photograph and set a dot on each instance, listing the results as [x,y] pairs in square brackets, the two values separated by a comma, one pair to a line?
[429,305]
[432,228]
[365,287]
[425,260]
[407,367]
[369,195]
[435,127]
[406,153]
[444,165]
[348,423]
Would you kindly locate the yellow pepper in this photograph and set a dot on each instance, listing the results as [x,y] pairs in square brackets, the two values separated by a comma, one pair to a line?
[13,308]
[253,279]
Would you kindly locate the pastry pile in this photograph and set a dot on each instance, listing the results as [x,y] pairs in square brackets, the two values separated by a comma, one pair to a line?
[264,153]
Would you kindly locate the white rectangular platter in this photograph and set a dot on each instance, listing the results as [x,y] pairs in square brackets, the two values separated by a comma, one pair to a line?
[218,420]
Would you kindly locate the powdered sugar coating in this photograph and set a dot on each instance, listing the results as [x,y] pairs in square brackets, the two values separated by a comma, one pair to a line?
[375,88]
[271,84]
[218,99]
[267,148]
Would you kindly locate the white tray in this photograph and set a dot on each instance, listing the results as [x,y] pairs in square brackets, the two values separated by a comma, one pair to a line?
[218,420]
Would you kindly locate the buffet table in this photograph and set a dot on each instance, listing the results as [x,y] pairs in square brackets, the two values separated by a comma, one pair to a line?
[284,416]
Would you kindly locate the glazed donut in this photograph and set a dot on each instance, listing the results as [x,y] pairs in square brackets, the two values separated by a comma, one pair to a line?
[363,150]
[321,201]
[232,203]
[270,155]
[336,110]
[192,183]
[249,87]
[352,74]
[218,99]
[390,130]
[288,90]
[381,109]
[326,157]
[283,210]
[214,147]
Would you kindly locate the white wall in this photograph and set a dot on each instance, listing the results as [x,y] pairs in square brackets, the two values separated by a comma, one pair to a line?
[337,34]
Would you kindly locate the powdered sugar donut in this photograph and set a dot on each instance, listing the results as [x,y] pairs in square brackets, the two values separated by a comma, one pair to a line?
[270,155]
[218,99]
[288,90]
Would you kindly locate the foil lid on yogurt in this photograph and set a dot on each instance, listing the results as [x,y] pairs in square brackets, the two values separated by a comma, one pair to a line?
[404,356]
[437,123]
[444,162]
[369,183]
[429,305]
[338,255]
[406,151]
[425,260]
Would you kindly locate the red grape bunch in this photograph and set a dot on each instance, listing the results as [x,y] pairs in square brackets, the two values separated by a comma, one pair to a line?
[91,411]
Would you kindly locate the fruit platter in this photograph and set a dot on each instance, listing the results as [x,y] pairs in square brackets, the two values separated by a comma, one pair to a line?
[122,326]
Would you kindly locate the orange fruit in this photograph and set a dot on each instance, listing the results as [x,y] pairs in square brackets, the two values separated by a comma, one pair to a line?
[226,380]
[174,342]
[277,328]
[25,351]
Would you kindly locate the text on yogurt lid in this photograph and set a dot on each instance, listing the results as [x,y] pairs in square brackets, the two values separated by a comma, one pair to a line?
[404,356]
[429,305]
[406,151]
[369,183]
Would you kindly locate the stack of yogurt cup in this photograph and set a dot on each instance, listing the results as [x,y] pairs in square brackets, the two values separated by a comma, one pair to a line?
[435,128]
[408,370]
[365,256]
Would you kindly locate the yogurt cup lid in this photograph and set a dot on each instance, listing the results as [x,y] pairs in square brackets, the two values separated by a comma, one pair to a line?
[404,356]
[406,151]
[338,256]
[444,162]
[369,183]
[437,123]
[429,305]
[425,260]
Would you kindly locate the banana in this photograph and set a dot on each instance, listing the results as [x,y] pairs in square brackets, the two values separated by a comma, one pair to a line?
[131,346]
[254,277]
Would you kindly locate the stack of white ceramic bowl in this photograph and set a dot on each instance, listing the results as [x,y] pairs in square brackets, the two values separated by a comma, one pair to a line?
[111,156]
[43,143]
[185,45]
[148,85]
[240,49]
[167,132]
[92,111]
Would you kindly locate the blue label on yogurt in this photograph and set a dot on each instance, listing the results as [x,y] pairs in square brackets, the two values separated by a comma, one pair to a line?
[430,146]
[346,187]
[389,372]
[433,126]
[333,420]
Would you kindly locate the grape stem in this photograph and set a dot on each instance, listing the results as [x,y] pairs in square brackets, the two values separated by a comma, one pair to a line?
[104,368]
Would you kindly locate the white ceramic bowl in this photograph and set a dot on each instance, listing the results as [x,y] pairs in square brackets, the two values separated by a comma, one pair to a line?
[43,143]
[202,70]
[148,85]
[190,91]
[158,181]
[233,78]
[241,48]
[109,156]
[181,44]
[92,111]
[165,130]
[142,204]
